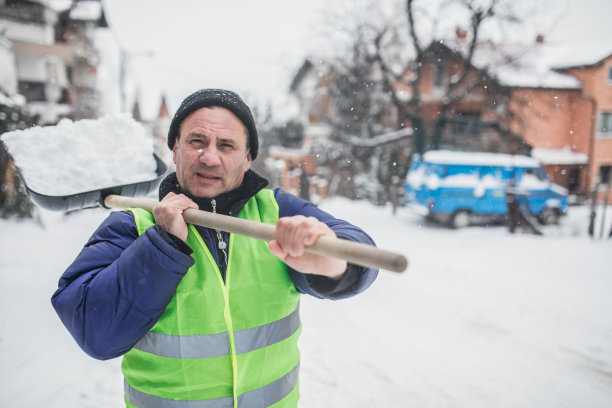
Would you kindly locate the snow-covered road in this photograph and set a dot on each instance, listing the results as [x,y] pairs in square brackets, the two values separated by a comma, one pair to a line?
[481,318]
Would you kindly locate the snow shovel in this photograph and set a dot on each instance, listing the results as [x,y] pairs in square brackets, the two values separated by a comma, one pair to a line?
[125,196]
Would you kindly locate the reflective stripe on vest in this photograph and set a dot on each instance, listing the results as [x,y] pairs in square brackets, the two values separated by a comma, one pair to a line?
[261,397]
[219,343]
[214,345]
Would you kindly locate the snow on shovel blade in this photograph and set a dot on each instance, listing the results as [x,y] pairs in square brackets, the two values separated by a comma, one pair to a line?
[95,198]
[75,164]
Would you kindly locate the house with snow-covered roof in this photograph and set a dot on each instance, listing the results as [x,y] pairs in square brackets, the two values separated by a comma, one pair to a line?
[553,101]
[592,66]
[562,95]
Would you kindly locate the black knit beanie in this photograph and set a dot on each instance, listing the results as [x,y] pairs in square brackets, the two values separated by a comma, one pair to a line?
[215,97]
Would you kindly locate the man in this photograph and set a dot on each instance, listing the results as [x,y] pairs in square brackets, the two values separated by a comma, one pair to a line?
[204,318]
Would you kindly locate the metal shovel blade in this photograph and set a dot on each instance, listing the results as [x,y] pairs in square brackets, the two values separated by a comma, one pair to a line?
[95,198]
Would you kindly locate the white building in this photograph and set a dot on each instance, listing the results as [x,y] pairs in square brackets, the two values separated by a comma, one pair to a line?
[48,57]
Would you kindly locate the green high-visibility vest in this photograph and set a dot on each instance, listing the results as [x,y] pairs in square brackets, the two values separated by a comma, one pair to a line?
[219,343]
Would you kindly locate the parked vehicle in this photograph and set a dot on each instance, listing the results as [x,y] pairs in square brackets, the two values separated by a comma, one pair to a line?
[461,188]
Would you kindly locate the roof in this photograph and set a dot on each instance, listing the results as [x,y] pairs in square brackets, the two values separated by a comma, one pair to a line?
[536,65]
[581,54]
[559,156]
[90,10]
[320,66]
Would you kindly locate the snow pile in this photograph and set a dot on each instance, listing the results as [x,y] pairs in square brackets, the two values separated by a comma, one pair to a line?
[74,157]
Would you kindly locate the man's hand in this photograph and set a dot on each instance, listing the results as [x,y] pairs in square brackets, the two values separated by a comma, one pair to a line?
[168,214]
[293,235]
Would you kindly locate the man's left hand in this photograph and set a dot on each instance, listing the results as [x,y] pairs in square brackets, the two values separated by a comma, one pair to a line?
[293,235]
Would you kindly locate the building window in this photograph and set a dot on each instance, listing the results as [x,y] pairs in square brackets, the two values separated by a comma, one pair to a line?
[33,91]
[604,174]
[439,75]
[24,11]
[610,75]
[574,176]
[605,124]
[466,124]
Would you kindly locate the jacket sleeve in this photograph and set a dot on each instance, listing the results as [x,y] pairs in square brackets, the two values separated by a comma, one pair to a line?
[118,286]
[355,280]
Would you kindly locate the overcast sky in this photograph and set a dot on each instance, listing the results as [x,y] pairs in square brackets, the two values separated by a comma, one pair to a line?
[254,47]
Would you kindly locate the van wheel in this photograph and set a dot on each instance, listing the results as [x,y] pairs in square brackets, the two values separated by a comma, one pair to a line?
[549,216]
[460,219]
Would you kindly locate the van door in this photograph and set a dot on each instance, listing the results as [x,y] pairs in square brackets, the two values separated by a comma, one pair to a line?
[536,187]
[490,192]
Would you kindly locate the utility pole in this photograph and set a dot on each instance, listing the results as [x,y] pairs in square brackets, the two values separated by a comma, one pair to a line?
[593,213]
[124,58]
[605,208]
[122,71]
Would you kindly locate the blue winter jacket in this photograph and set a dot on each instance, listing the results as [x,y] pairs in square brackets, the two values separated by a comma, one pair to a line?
[120,284]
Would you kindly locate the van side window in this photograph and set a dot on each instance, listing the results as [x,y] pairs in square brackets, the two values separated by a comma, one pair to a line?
[508,173]
[536,173]
[494,172]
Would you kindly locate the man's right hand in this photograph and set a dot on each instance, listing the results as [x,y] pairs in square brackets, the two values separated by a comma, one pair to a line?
[168,214]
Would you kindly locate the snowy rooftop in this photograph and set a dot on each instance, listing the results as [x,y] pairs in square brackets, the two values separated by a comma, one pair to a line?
[535,65]
[86,10]
[559,156]
[533,77]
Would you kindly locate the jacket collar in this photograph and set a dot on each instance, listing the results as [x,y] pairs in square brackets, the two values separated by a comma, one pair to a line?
[228,203]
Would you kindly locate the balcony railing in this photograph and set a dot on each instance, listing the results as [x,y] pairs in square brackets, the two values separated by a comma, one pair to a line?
[33,91]
[24,12]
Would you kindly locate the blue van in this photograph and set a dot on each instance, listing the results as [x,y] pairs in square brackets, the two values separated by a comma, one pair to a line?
[461,188]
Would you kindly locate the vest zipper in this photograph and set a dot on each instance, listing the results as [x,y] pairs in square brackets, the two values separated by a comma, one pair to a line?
[220,242]
[226,312]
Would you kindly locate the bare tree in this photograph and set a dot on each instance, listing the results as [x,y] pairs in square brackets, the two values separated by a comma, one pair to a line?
[401,70]
[361,111]
[14,201]
[453,70]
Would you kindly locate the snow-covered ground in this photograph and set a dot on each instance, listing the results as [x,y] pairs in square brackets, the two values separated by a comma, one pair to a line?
[482,318]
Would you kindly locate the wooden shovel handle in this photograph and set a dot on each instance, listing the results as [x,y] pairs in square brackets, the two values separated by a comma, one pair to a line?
[352,252]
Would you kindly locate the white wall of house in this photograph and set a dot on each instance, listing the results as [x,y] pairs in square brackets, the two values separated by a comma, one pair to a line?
[82,76]
[31,67]
[41,68]
[8,73]
[32,33]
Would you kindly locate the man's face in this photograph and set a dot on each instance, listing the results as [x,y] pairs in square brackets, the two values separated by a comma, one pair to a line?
[211,156]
